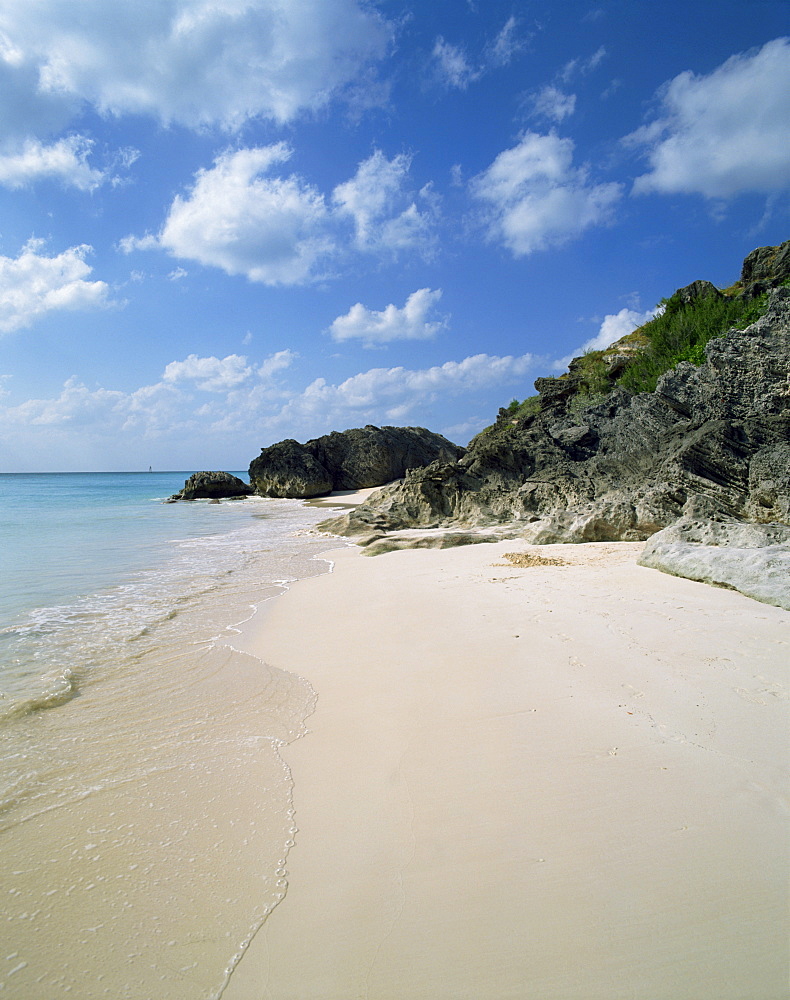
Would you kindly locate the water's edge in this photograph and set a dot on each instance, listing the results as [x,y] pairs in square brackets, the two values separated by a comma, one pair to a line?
[147,816]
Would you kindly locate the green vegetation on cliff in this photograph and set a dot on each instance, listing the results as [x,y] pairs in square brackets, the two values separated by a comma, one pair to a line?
[684,325]
[681,331]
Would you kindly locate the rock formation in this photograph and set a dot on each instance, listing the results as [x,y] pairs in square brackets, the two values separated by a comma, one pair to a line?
[711,443]
[212,486]
[751,558]
[346,460]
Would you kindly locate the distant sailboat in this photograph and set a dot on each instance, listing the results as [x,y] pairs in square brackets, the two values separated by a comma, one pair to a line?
[150,468]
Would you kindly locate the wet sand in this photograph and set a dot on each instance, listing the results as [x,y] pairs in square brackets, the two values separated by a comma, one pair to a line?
[550,781]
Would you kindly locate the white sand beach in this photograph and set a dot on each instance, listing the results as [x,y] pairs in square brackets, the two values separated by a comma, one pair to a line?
[547,781]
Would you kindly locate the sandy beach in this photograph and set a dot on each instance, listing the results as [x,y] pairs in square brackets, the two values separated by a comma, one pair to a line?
[553,781]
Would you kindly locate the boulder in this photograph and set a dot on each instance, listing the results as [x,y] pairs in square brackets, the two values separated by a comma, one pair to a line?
[698,290]
[289,469]
[771,264]
[212,486]
[751,558]
[346,460]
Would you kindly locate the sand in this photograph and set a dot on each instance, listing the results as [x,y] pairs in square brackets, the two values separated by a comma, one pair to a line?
[546,781]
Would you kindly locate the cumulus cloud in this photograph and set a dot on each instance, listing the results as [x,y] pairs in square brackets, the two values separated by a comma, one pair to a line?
[76,405]
[382,394]
[280,230]
[209,374]
[724,133]
[197,63]
[380,327]
[613,327]
[65,160]
[228,404]
[271,229]
[534,197]
[277,363]
[378,200]
[33,284]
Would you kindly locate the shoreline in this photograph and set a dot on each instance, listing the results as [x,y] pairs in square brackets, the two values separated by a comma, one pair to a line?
[562,781]
[146,819]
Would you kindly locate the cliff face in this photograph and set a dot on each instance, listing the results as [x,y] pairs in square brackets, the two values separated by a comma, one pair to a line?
[712,440]
[346,460]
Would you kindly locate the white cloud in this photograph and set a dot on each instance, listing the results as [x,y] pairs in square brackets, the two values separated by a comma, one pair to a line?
[194,62]
[617,325]
[387,394]
[32,285]
[613,327]
[582,67]
[505,45]
[229,406]
[76,406]
[271,229]
[535,198]
[377,198]
[725,133]
[279,230]
[276,363]
[380,327]
[452,66]
[209,374]
[65,160]
[553,104]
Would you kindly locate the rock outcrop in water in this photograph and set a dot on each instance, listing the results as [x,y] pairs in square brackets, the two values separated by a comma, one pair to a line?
[711,444]
[346,460]
[212,486]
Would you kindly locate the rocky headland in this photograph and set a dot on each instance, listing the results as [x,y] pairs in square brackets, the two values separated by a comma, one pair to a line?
[696,458]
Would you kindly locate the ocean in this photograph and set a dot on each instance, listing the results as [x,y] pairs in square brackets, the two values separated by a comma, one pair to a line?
[145,810]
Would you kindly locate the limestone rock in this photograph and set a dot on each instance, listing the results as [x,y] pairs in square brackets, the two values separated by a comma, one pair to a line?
[289,469]
[212,486]
[698,290]
[624,466]
[751,558]
[347,460]
[765,268]
[700,466]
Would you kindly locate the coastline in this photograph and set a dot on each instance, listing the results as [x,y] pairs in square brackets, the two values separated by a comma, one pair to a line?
[146,814]
[561,781]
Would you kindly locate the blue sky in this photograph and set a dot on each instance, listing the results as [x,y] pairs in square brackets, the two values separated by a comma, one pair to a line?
[228,222]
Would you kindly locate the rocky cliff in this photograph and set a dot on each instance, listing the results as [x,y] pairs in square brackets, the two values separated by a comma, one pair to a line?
[347,460]
[590,460]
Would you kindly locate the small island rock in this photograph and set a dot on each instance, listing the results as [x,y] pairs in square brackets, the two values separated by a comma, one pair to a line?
[212,486]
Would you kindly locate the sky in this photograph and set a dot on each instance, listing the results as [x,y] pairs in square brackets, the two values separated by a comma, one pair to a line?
[228,222]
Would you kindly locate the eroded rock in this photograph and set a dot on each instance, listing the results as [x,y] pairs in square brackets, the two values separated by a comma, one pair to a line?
[751,558]
[347,460]
[212,486]
[625,466]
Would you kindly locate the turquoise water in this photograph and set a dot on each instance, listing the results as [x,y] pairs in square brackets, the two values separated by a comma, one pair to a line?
[146,812]
[66,535]
[88,559]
